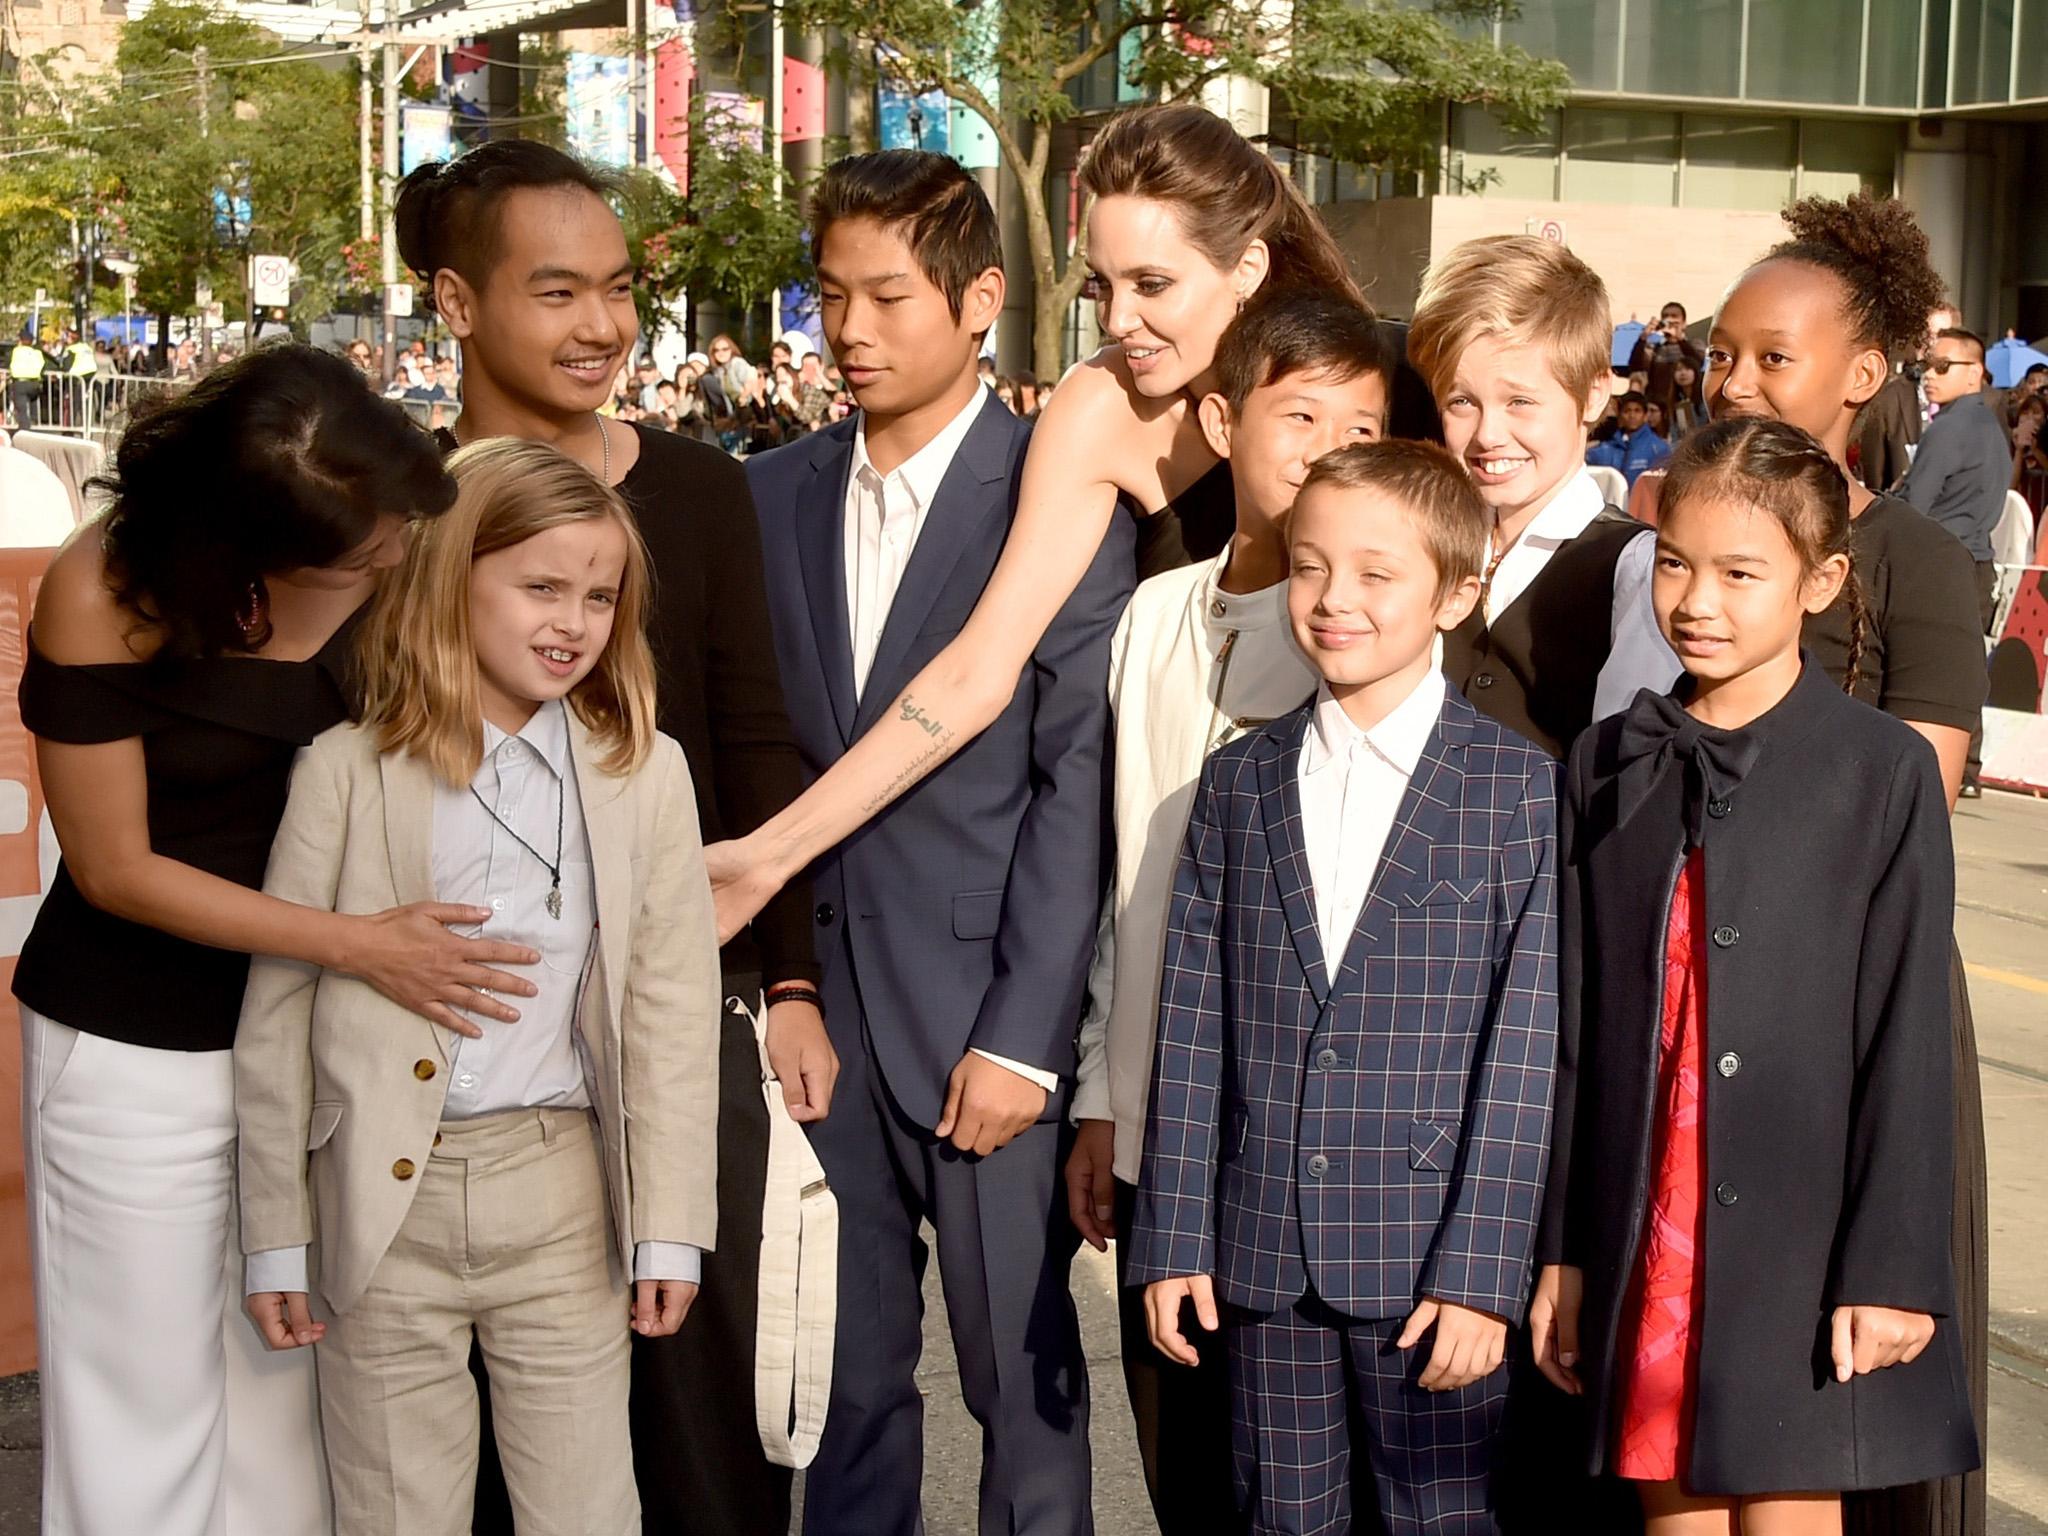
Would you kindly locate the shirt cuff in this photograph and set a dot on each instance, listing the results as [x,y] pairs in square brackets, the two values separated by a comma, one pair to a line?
[1049,1081]
[668,1261]
[275,1269]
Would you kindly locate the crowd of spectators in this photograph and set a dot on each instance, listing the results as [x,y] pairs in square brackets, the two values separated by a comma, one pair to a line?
[746,406]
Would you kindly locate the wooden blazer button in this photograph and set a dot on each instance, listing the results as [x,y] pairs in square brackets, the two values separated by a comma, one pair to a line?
[402,1169]
[423,1070]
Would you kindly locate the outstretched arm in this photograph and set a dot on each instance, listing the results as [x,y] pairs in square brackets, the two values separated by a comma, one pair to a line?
[1064,508]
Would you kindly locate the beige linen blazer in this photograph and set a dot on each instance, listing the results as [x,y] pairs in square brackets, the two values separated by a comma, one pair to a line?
[339,1090]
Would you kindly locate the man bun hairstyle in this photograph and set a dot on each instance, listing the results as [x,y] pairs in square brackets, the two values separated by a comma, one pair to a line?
[447,211]
[1878,251]
[1783,470]
[1306,331]
[1426,482]
[932,200]
[1226,193]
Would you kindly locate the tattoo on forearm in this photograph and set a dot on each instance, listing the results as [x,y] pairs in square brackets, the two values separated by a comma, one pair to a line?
[941,747]
[912,711]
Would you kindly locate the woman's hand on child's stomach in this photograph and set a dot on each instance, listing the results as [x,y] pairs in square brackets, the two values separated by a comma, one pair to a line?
[800,1055]
[284,1319]
[1554,1325]
[408,954]
[659,1306]
[1163,1300]
[1091,1187]
[1470,1344]
[1870,1338]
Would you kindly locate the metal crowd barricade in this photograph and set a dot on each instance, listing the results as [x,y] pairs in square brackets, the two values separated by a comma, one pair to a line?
[96,406]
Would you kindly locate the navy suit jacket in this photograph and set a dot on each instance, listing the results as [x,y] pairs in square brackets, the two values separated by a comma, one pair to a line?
[963,916]
[1381,1135]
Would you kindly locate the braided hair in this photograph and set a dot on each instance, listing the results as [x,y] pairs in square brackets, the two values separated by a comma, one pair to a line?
[1787,472]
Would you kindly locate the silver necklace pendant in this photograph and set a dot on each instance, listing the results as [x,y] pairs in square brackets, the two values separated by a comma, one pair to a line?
[555,902]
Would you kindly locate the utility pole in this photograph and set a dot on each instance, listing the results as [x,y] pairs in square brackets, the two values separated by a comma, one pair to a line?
[390,239]
[364,112]
[636,32]
[200,56]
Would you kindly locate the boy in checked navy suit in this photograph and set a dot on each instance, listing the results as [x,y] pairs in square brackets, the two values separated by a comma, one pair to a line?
[1357,1033]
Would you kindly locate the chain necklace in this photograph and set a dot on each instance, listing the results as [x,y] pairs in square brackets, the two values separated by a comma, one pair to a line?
[604,474]
[555,869]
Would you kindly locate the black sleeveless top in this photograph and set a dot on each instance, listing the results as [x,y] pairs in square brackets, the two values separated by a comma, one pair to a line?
[218,737]
[1536,670]
[1191,528]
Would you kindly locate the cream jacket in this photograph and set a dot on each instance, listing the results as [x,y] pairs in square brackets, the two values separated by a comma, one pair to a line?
[339,1091]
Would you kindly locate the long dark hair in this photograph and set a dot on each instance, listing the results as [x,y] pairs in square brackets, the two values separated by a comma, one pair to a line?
[1226,192]
[277,461]
[1787,472]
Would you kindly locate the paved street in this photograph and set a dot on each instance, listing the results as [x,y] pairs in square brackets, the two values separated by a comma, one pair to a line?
[2002,922]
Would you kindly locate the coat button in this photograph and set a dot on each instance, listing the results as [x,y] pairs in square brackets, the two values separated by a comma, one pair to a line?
[1318,1166]
[1717,807]
[1216,606]
[1483,680]
[826,912]
[1326,1059]
[402,1169]
[1726,935]
[423,1069]
[1725,1193]
[1729,1064]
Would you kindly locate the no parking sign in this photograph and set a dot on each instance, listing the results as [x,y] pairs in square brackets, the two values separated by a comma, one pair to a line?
[270,281]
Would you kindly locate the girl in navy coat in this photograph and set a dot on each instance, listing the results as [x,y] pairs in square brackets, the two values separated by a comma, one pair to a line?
[1746,1235]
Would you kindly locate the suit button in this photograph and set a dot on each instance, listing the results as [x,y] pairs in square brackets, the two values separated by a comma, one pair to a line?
[1717,807]
[1729,1064]
[1483,680]
[1726,935]
[1725,1193]
[1326,1059]
[402,1169]
[423,1069]
[826,912]
[1318,1166]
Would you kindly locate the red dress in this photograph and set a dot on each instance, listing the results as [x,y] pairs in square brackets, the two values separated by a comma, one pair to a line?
[1658,1371]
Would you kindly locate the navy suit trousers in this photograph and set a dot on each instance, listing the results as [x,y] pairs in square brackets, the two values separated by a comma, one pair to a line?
[1005,1249]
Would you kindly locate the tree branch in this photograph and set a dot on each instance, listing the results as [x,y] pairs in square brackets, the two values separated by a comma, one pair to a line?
[1102,42]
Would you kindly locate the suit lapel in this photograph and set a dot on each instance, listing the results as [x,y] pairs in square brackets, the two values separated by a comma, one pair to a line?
[608,821]
[409,839]
[821,552]
[1280,805]
[974,490]
[1434,791]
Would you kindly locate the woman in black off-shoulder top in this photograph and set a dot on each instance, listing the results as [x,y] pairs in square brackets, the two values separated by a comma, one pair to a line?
[183,649]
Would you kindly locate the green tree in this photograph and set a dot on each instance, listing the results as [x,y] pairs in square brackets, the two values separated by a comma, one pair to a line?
[209,141]
[737,235]
[1362,80]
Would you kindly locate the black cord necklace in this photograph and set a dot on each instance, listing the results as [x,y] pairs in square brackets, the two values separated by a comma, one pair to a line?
[555,869]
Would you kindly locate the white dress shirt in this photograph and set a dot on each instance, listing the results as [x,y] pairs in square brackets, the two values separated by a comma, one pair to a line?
[1638,656]
[1191,666]
[884,516]
[529,781]
[1352,782]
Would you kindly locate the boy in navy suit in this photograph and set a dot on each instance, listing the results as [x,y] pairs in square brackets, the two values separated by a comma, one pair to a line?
[954,930]
[1357,1032]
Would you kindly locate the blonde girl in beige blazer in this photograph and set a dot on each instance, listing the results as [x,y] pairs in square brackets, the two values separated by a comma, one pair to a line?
[403,1187]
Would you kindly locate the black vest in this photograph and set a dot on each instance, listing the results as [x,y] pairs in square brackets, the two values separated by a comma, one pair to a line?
[1535,670]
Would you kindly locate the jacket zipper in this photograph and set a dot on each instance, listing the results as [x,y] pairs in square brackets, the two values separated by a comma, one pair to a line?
[1227,725]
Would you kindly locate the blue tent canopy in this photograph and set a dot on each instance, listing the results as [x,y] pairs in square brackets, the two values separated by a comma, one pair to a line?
[2007,361]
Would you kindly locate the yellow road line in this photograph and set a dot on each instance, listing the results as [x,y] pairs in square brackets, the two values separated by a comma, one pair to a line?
[2008,978]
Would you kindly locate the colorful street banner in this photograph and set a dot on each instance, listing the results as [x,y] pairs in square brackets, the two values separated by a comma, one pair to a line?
[803,101]
[600,108]
[914,122]
[424,134]
[675,75]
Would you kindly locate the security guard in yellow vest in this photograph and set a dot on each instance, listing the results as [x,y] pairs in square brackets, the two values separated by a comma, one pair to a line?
[25,366]
[84,365]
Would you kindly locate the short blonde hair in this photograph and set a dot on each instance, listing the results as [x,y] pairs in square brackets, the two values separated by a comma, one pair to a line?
[416,660]
[1427,483]
[1521,289]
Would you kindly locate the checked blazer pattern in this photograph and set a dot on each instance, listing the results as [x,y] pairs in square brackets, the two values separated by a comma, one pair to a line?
[1383,1134]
